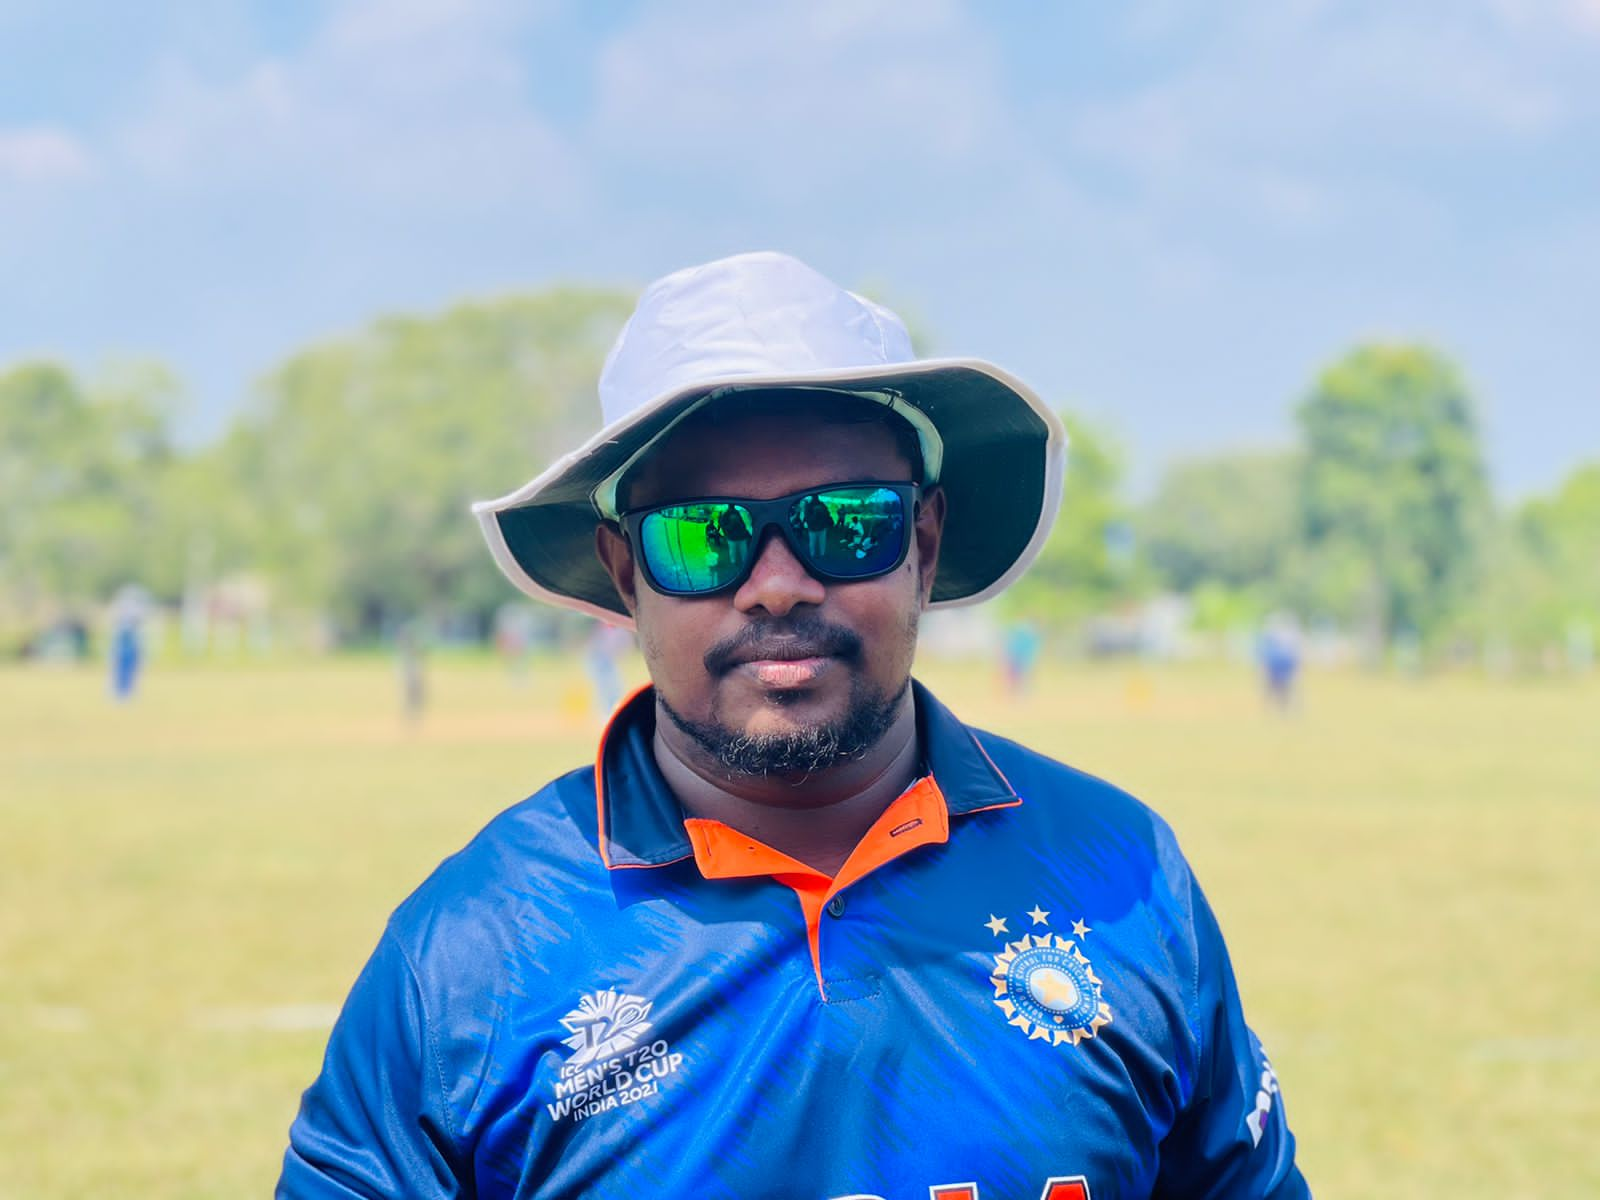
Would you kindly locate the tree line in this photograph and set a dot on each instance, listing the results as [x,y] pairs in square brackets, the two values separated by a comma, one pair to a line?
[342,488]
[1381,521]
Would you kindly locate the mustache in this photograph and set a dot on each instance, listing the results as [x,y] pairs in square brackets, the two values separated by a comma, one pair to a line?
[801,637]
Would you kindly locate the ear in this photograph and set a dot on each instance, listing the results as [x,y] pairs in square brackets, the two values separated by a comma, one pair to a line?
[928,529]
[616,556]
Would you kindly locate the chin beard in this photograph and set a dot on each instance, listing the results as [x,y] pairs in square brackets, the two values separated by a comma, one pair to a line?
[804,751]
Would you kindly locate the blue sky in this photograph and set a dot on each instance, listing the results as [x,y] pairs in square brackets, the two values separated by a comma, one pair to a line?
[1166,216]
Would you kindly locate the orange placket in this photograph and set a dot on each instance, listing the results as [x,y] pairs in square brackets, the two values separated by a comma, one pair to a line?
[918,817]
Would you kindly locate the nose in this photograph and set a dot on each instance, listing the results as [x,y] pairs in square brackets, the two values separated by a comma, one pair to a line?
[778,581]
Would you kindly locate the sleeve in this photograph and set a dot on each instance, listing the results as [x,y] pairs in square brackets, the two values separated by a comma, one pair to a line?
[370,1126]
[1232,1138]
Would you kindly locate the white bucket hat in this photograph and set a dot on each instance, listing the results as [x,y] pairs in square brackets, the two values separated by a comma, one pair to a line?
[763,321]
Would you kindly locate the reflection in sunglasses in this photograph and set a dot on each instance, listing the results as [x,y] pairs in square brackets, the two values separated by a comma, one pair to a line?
[843,532]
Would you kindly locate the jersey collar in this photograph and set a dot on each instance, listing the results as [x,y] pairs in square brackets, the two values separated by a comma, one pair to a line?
[641,824]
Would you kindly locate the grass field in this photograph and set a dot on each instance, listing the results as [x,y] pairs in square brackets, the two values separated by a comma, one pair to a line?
[1409,874]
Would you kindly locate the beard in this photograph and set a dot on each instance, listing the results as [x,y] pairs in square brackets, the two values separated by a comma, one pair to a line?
[804,751]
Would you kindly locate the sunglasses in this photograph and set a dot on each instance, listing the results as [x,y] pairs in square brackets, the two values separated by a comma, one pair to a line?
[841,532]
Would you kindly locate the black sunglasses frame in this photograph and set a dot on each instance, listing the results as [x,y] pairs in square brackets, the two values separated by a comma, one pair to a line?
[775,514]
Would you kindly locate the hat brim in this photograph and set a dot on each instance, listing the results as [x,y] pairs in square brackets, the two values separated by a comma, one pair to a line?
[1004,455]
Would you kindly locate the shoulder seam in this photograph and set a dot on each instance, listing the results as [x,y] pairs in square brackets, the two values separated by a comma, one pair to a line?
[1194,982]
[430,1036]
[988,736]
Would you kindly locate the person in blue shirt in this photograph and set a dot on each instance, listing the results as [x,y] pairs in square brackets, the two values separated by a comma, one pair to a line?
[127,642]
[1279,651]
[799,931]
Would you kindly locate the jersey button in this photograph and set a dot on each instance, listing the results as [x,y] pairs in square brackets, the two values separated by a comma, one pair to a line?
[836,907]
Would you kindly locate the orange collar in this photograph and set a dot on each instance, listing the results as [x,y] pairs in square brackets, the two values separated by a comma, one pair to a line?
[642,825]
[918,817]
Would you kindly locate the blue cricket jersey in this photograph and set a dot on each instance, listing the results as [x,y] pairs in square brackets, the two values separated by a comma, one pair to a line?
[1013,990]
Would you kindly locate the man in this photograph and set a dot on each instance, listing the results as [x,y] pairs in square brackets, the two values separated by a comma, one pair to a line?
[799,932]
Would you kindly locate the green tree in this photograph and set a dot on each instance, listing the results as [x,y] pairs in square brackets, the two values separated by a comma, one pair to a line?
[1394,503]
[82,471]
[1230,519]
[1562,534]
[362,456]
[1545,579]
[1086,563]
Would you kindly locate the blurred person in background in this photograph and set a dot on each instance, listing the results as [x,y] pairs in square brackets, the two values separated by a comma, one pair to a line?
[607,643]
[413,671]
[513,638]
[799,932]
[1021,654]
[1279,650]
[127,642]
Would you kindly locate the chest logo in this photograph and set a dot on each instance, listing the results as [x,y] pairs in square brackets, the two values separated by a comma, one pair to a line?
[614,1061]
[1045,984]
[604,1023]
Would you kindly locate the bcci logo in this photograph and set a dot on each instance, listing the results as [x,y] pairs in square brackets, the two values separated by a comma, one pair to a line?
[1045,985]
[605,1023]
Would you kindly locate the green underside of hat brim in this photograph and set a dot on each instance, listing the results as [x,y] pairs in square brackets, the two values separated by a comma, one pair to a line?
[995,477]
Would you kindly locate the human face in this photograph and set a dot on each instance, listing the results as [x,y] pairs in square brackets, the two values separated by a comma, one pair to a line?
[785,654]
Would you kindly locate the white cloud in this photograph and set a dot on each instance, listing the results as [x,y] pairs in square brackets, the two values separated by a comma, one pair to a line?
[1385,83]
[1302,119]
[407,23]
[1560,15]
[34,156]
[1586,14]
[797,100]
[414,104]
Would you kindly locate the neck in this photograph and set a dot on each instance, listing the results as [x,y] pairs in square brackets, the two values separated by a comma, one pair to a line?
[817,819]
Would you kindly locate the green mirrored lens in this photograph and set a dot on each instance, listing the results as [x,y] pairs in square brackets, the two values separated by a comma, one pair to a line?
[696,547]
[851,532]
